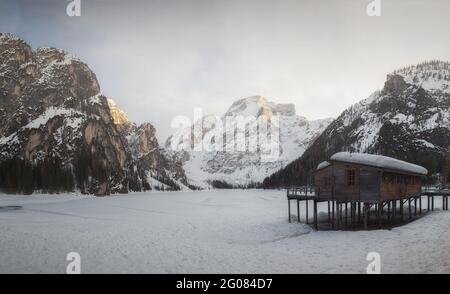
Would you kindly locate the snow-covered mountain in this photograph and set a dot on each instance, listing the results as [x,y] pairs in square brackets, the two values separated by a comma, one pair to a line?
[408,119]
[58,132]
[237,163]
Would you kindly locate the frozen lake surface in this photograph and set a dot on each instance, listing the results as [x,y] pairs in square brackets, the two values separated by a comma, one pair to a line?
[221,231]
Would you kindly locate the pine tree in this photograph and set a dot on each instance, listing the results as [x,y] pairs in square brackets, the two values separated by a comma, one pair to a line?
[447,167]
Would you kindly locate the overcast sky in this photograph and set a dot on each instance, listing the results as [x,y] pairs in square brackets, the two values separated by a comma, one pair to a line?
[159,59]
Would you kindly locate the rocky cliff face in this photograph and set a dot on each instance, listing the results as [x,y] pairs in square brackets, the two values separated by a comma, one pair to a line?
[408,119]
[57,131]
[211,158]
[156,169]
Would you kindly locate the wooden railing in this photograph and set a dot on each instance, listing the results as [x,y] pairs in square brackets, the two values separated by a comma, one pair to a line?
[302,192]
[440,188]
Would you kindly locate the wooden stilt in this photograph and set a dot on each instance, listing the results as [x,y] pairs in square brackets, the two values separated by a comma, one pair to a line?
[359,212]
[389,210]
[420,204]
[353,213]
[351,210]
[394,209]
[338,215]
[329,213]
[315,215]
[366,215]
[401,209]
[346,206]
[307,215]
[379,210]
[289,210]
[332,214]
[415,206]
[409,208]
[298,210]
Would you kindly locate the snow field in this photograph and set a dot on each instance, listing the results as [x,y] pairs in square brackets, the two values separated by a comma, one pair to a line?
[219,231]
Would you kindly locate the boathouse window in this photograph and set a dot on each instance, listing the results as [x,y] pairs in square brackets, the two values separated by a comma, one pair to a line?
[327,182]
[350,177]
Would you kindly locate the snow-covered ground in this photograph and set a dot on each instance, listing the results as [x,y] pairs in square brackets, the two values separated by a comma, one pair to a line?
[203,232]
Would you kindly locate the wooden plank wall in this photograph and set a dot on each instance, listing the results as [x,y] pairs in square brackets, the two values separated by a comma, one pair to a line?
[396,186]
[323,180]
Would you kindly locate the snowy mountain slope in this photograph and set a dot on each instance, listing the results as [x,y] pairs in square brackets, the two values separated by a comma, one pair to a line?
[408,119]
[57,131]
[236,163]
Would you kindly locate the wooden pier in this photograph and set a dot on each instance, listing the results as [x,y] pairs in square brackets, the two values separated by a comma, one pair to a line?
[357,214]
[301,194]
[431,192]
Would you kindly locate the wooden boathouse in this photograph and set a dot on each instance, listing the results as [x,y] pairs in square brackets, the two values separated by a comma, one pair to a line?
[356,185]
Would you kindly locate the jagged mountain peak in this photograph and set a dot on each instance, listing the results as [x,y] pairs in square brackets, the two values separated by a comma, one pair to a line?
[259,105]
[51,57]
[118,115]
[8,39]
[395,84]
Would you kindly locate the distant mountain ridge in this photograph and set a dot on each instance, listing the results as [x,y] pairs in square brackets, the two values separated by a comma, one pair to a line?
[408,119]
[238,168]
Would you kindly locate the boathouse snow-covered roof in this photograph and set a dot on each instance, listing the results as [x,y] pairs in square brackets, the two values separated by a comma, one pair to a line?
[379,161]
